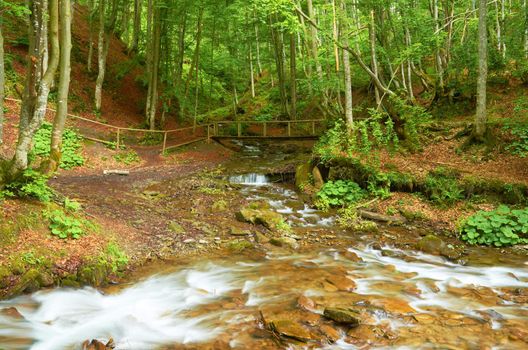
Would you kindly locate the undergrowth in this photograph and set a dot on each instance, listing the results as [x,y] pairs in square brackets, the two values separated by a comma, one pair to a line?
[500,227]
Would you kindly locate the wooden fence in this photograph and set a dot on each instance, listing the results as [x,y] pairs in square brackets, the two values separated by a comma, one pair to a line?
[169,139]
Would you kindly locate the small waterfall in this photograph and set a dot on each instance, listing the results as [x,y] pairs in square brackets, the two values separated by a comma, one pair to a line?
[250,179]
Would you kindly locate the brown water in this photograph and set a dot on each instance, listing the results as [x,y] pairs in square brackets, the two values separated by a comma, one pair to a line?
[404,299]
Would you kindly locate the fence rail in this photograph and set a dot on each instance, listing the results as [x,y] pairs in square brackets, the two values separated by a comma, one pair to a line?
[174,138]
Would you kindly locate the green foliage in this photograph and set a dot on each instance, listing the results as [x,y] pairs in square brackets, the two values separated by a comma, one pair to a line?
[71,144]
[348,218]
[500,227]
[339,194]
[333,143]
[518,128]
[117,258]
[65,226]
[442,188]
[127,158]
[31,184]
[379,185]
[151,139]
[71,205]
[29,258]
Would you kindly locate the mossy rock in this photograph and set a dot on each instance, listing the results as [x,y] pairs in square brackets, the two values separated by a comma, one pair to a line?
[4,274]
[303,175]
[94,275]
[239,246]
[431,244]
[70,282]
[30,282]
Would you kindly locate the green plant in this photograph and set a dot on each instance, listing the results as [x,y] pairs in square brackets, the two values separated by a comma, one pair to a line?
[379,184]
[348,218]
[117,258]
[64,226]
[71,205]
[31,184]
[339,193]
[127,158]
[518,128]
[71,144]
[442,188]
[333,143]
[30,259]
[500,227]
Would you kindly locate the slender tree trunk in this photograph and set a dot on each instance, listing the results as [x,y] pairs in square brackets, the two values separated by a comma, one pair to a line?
[154,79]
[199,27]
[313,40]
[336,35]
[279,61]
[349,114]
[101,57]
[37,89]
[90,35]
[293,77]
[257,44]
[64,85]
[481,116]
[137,25]
[526,29]
[438,58]
[373,56]
[2,85]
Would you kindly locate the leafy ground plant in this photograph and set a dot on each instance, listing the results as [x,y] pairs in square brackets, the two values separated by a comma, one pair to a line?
[31,184]
[127,158]
[500,227]
[339,193]
[66,226]
[71,144]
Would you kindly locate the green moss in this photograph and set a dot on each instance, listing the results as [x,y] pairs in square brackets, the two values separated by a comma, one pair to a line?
[239,246]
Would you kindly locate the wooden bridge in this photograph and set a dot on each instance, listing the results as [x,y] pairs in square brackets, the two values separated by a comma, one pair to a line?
[117,136]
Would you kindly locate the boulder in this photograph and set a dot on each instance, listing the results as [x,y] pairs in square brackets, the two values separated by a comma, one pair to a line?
[342,283]
[285,242]
[290,329]
[95,344]
[265,217]
[302,175]
[346,316]
[431,244]
[236,231]
[317,178]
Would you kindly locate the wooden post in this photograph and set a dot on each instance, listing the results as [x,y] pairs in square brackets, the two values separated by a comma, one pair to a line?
[313,127]
[265,129]
[164,142]
[289,129]
[118,138]
[239,126]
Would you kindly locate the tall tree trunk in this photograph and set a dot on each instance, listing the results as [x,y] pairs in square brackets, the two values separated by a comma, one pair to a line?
[279,62]
[137,25]
[313,40]
[199,27]
[101,57]
[373,56]
[64,85]
[37,89]
[2,85]
[154,75]
[481,116]
[526,29]
[438,57]
[293,78]
[90,35]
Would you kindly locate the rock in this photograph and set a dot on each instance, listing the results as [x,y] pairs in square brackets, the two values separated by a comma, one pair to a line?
[317,178]
[302,175]
[262,239]
[265,217]
[351,256]
[306,303]
[285,242]
[12,312]
[290,329]
[189,241]
[330,333]
[235,231]
[346,316]
[342,283]
[239,245]
[97,345]
[29,282]
[176,228]
[380,217]
[431,244]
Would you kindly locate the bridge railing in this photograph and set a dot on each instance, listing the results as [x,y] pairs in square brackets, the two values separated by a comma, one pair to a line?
[267,129]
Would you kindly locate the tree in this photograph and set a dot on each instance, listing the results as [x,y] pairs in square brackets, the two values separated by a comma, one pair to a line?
[2,85]
[481,115]
[64,85]
[37,86]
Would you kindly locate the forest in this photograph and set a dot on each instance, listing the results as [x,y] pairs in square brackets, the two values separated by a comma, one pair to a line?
[267,174]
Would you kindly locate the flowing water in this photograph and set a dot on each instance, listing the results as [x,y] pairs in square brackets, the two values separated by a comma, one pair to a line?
[406,299]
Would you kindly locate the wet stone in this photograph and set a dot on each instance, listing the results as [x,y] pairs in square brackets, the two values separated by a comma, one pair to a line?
[290,329]
[12,312]
[346,316]
[306,303]
[342,283]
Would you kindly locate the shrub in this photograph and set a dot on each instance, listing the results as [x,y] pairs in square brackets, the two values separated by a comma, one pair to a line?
[442,188]
[116,257]
[71,143]
[127,158]
[339,193]
[66,226]
[500,227]
[333,143]
[31,184]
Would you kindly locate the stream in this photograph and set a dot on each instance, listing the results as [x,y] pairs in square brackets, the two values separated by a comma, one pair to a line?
[404,299]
